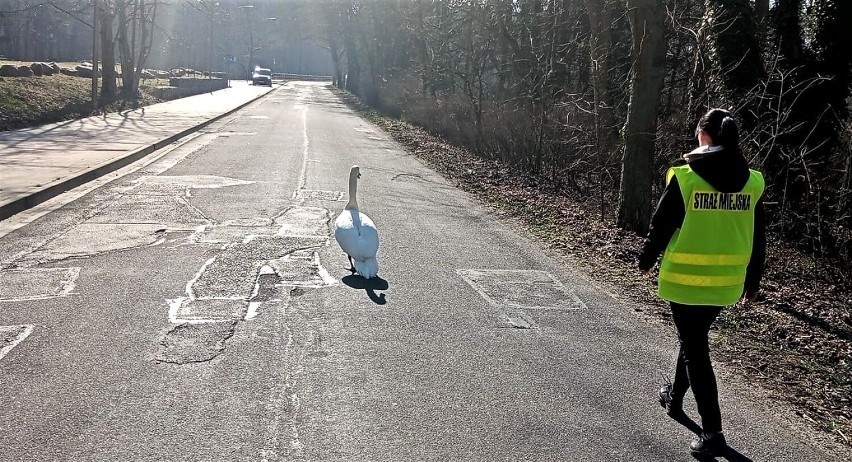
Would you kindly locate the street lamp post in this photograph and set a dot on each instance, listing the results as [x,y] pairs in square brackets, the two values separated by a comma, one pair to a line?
[248,9]
[267,34]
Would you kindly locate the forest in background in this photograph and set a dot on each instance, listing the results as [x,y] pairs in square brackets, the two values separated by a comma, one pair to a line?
[600,96]
[229,36]
[595,96]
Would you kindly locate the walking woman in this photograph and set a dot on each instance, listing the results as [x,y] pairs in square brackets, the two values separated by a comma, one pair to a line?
[709,226]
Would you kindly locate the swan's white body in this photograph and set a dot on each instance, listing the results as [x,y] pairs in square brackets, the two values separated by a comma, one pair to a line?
[357,234]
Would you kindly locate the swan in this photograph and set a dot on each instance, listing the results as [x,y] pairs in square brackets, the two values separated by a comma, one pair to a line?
[356,233]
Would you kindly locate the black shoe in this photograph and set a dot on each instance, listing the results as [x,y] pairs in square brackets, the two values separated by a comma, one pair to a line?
[673,407]
[709,444]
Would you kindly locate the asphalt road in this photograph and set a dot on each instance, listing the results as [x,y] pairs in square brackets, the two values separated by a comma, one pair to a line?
[194,307]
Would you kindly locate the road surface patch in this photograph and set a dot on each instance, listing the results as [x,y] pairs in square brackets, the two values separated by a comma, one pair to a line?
[206,310]
[303,221]
[265,290]
[257,222]
[521,289]
[11,336]
[231,232]
[335,196]
[517,320]
[194,343]
[93,238]
[229,134]
[37,283]
[302,269]
[183,184]
[172,211]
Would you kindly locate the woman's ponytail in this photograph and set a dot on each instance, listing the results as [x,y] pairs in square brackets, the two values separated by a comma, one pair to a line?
[720,125]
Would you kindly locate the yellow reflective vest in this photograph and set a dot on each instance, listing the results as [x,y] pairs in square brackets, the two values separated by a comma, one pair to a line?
[706,260]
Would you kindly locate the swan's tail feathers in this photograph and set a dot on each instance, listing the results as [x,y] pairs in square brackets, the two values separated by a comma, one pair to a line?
[368,268]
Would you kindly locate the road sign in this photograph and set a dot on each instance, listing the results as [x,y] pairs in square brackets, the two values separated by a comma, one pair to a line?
[230,58]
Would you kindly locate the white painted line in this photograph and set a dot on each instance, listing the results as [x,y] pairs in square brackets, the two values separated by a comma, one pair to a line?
[27,330]
[327,278]
[179,313]
[305,150]
[264,270]
[252,310]
[174,306]
[197,276]
[524,289]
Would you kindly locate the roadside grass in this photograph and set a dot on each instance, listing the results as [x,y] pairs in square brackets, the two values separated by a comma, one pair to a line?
[32,101]
[28,101]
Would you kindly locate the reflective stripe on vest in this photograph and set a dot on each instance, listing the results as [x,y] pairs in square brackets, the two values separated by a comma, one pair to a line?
[706,259]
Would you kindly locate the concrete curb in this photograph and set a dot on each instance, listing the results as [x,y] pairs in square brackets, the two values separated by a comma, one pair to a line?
[60,186]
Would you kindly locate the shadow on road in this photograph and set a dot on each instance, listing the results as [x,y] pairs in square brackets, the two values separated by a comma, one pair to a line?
[687,422]
[731,455]
[370,285]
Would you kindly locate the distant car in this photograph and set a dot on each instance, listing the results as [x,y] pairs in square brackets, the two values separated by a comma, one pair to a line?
[261,76]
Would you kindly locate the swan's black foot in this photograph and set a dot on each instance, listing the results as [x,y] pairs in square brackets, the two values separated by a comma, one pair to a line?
[351,268]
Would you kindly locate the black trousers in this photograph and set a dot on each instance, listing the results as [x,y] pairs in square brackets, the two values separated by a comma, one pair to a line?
[693,367]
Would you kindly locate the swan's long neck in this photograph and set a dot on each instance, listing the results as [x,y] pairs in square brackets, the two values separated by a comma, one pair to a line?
[353,192]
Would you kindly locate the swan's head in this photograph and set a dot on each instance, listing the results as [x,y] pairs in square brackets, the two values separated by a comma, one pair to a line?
[354,172]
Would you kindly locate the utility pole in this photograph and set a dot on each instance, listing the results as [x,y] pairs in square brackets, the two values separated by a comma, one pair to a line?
[248,9]
[210,45]
[96,30]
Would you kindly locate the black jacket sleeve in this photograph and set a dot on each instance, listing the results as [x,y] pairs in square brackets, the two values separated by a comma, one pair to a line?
[754,272]
[667,218]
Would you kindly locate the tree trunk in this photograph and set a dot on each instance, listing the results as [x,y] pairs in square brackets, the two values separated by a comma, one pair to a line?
[353,65]
[789,31]
[600,13]
[335,61]
[148,18]
[761,10]
[125,47]
[109,88]
[648,36]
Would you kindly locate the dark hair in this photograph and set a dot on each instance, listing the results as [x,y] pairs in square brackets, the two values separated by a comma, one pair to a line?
[719,124]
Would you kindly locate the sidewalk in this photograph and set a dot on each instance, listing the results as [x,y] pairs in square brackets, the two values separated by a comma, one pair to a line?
[39,163]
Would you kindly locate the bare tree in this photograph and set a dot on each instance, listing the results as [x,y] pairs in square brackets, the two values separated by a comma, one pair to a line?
[647,33]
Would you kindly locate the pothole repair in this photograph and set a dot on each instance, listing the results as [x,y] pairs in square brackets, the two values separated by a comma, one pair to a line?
[517,320]
[269,260]
[37,283]
[334,196]
[195,343]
